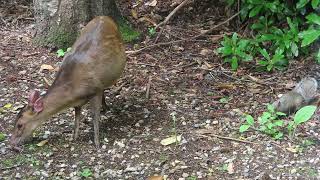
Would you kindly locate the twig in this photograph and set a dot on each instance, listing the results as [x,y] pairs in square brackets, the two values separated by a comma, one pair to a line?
[148,88]
[168,18]
[224,73]
[187,39]
[226,138]
[218,25]
[172,13]
[161,31]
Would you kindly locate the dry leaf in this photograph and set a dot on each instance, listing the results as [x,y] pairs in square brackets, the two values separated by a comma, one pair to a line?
[134,13]
[155,178]
[148,20]
[230,168]
[8,106]
[152,3]
[204,52]
[46,67]
[42,143]
[170,140]
[255,79]
[292,149]
[208,65]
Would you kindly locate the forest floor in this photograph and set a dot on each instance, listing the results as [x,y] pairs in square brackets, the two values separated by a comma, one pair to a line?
[190,93]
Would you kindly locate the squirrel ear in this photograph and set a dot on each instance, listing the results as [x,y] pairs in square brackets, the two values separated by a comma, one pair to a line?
[38,105]
[33,96]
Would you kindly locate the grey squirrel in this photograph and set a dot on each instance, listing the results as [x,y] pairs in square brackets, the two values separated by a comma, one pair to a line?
[305,93]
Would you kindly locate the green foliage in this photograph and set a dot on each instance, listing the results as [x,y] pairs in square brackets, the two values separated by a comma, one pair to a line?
[2,137]
[235,50]
[270,121]
[86,172]
[192,178]
[152,31]
[61,52]
[282,31]
[301,116]
[127,32]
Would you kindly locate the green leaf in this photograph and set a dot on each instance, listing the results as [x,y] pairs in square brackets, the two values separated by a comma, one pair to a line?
[281,114]
[86,172]
[309,36]
[315,4]
[244,128]
[270,108]
[314,18]
[278,123]
[304,114]
[294,49]
[302,3]
[255,11]
[279,135]
[265,54]
[290,126]
[60,53]
[256,26]
[243,43]
[249,119]
[2,137]
[269,67]
[318,56]
[234,38]
[234,63]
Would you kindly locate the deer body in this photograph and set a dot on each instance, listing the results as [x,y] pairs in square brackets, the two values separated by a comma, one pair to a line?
[96,61]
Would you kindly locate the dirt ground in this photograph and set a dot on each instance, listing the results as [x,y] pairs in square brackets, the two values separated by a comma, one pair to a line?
[184,98]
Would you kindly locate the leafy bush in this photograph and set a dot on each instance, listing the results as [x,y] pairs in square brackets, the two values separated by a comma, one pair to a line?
[270,122]
[282,30]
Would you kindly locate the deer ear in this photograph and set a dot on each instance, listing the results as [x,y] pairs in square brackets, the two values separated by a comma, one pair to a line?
[33,96]
[38,105]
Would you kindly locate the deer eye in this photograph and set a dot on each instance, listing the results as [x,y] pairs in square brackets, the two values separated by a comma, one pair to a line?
[19,126]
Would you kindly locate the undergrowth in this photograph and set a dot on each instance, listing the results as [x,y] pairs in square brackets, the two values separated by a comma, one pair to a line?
[279,31]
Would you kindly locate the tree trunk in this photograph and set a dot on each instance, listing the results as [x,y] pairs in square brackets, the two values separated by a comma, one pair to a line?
[58,22]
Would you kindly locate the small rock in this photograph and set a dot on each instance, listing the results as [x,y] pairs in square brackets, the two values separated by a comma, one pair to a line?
[22,72]
[185,175]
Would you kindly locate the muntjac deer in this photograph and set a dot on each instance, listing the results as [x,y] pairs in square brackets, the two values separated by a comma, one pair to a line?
[96,61]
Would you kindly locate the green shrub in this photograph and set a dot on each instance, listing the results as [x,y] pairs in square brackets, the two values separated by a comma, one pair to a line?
[283,30]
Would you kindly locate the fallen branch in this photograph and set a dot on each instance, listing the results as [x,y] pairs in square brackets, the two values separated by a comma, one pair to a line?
[148,88]
[187,39]
[206,132]
[168,18]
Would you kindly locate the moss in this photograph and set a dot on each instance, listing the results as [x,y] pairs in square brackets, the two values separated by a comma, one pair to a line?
[57,37]
[128,33]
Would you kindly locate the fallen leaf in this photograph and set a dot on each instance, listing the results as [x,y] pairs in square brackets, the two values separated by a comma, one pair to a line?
[8,106]
[155,178]
[204,52]
[230,168]
[46,67]
[292,149]
[42,143]
[170,140]
[134,13]
[148,20]
[152,3]
[208,65]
